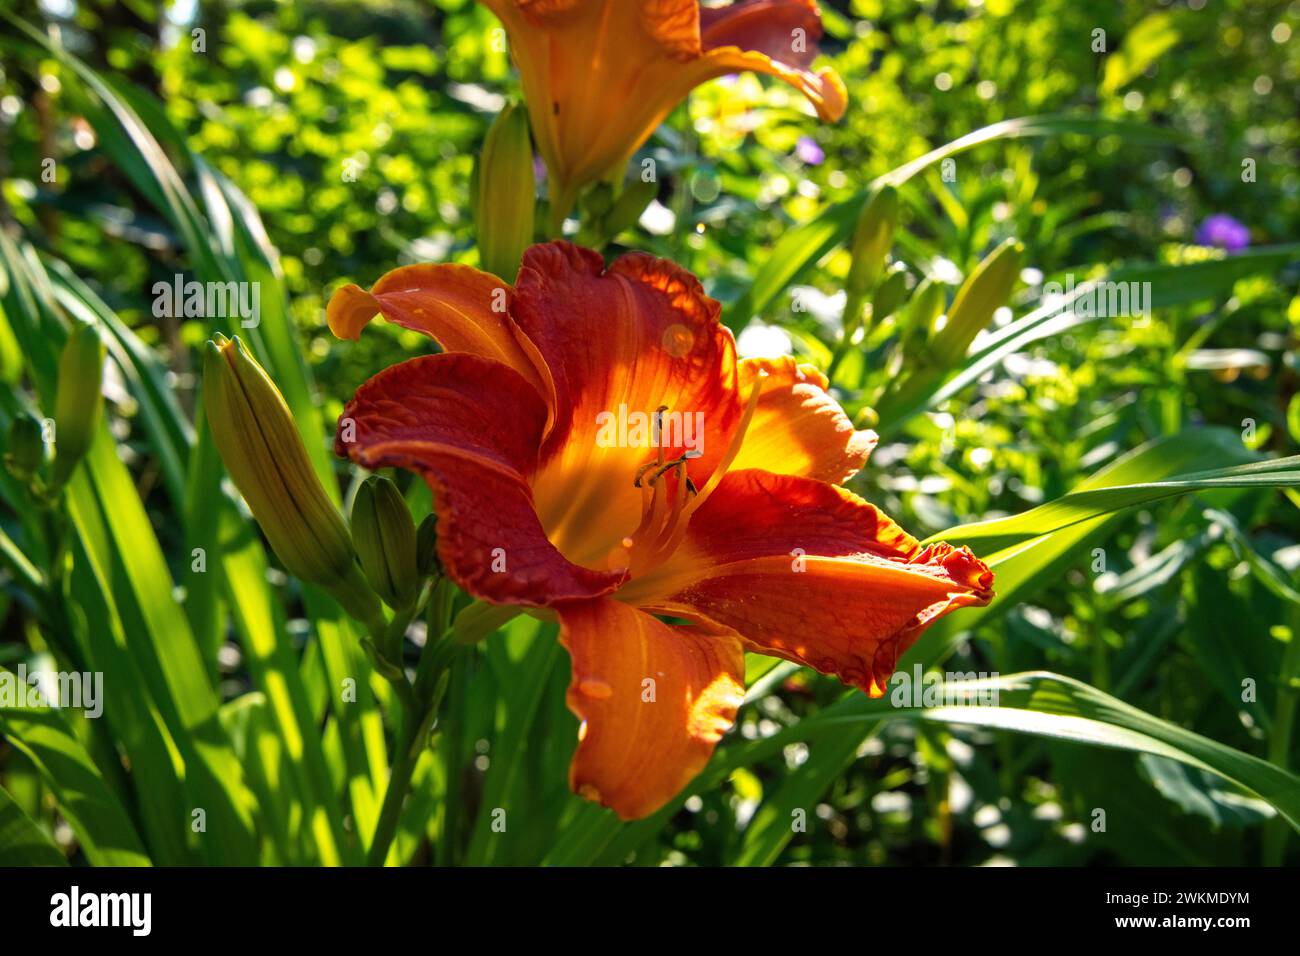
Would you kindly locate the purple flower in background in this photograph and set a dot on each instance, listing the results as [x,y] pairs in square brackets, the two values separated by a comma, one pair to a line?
[808,151]
[1223,231]
[539,169]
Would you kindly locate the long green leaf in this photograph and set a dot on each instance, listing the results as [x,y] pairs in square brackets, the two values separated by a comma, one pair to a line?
[270,659]
[987,537]
[97,818]
[22,842]
[1050,705]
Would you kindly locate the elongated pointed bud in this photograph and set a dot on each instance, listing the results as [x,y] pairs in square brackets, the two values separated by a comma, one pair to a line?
[506,193]
[873,236]
[80,401]
[25,451]
[384,535]
[426,547]
[889,294]
[918,319]
[257,439]
[983,293]
[926,305]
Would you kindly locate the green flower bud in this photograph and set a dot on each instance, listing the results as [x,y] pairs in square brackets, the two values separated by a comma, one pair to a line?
[889,294]
[384,535]
[25,452]
[80,402]
[919,318]
[873,236]
[926,306]
[506,193]
[426,547]
[257,439]
[984,291]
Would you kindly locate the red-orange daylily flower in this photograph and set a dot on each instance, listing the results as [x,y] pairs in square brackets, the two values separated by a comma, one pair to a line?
[600,75]
[742,530]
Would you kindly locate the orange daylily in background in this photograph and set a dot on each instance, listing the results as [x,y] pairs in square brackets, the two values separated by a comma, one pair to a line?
[741,530]
[600,75]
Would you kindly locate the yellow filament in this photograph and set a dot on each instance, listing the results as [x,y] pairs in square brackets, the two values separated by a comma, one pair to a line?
[658,535]
[734,448]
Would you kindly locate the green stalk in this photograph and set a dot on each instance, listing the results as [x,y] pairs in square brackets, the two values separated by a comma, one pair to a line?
[399,782]
[558,211]
[1279,744]
[419,708]
[853,307]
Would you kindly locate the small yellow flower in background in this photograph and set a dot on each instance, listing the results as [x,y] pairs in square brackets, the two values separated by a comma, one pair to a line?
[600,75]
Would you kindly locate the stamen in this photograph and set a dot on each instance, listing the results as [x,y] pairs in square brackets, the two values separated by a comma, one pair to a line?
[659,433]
[674,516]
[734,448]
[640,473]
[649,510]
[659,534]
[675,463]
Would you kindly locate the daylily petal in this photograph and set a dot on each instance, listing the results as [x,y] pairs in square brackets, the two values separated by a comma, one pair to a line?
[459,307]
[619,344]
[798,429]
[810,572]
[593,73]
[777,37]
[600,75]
[654,700]
[471,427]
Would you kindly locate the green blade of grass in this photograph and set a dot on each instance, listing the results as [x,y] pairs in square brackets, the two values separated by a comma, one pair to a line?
[22,842]
[275,672]
[96,816]
[157,773]
[159,635]
[987,537]
[530,652]
[1051,705]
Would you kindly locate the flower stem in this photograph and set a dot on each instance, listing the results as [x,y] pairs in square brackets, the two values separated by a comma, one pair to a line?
[419,705]
[399,782]
[851,322]
[481,619]
[561,204]
[1279,745]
